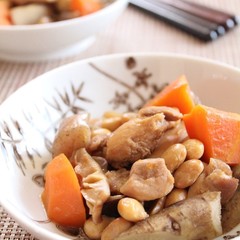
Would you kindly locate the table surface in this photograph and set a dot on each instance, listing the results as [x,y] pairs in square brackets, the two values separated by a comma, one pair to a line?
[133,31]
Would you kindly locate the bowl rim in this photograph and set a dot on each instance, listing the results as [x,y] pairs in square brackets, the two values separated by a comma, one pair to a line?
[169,55]
[21,218]
[65,23]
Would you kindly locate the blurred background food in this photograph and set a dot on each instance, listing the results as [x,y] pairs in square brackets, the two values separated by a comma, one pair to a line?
[25,12]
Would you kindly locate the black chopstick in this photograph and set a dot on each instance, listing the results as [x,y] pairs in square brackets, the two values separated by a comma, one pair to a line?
[214,26]
[214,15]
[191,27]
[181,15]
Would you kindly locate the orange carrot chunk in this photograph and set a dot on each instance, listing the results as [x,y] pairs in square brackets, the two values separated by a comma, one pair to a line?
[62,197]
[85,7]
[218,130]
[4,13]
[176,94]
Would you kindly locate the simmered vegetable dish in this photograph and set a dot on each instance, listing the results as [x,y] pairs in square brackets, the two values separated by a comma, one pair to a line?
[168,171]
[26,12]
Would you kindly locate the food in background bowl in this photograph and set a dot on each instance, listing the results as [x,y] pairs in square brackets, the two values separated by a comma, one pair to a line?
[25,12]
[122,83]
[54,40]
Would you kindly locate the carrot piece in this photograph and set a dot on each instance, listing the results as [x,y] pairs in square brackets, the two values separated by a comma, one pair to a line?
[4,13]
[85,7]
[176,94]
[218,130]
[5,21]
[62,197]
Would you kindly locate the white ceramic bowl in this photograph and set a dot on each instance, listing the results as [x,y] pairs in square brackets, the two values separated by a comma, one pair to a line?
[58,39]
[30,116]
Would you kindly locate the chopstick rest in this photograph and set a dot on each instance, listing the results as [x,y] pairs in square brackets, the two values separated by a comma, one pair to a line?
[205,23]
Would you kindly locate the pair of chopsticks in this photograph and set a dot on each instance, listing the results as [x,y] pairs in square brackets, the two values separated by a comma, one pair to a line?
[201,21]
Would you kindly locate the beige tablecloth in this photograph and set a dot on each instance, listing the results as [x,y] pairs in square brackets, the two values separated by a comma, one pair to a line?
[134,31]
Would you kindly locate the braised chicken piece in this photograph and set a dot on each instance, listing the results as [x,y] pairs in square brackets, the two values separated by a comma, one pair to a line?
[231,210]
[216,177]
[95,187]
[135,140]
[176,134]
[149,179]
[99,136]
[112,120]
[73,133]
[140,136]
[116,179]
[219,181]
[218,164]
[97,143]
[171,114]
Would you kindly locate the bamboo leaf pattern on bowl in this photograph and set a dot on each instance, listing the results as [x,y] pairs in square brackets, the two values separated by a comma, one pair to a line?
[42,119]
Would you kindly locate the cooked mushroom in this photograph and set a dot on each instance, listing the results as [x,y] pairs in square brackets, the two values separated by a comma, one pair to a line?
[102,163]
[95,188]
[110,206]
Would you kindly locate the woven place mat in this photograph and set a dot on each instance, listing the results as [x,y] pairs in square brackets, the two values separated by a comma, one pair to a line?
[123,37]
[10,230]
